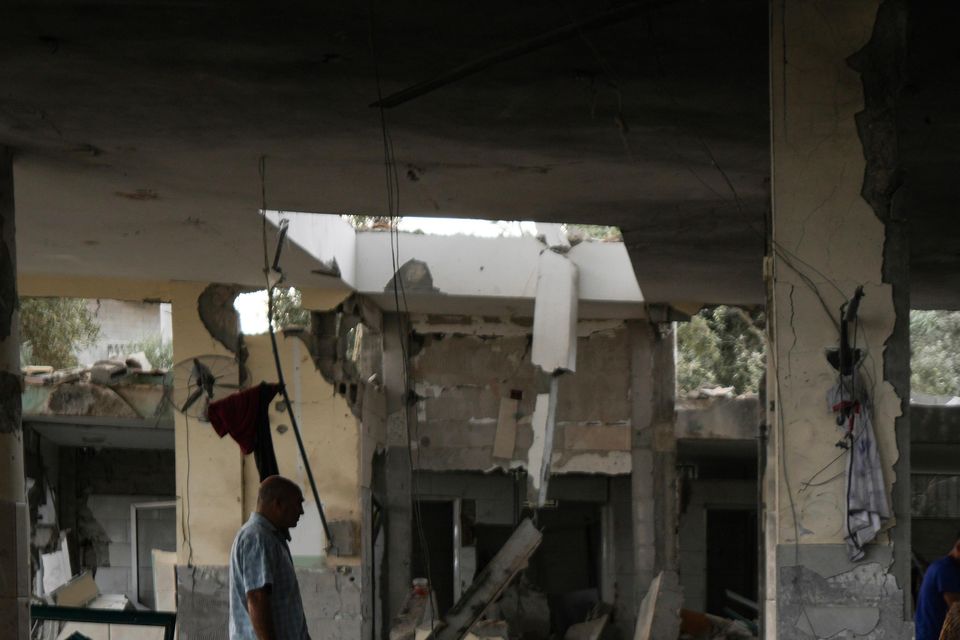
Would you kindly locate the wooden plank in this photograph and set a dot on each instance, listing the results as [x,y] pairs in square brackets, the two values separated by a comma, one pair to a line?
[491,582]
[505,439]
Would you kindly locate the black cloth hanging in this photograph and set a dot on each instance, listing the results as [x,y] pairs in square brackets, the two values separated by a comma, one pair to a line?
[245,417]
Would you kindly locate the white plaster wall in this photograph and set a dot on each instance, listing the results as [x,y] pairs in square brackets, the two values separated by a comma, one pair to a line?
[498,267]
[122,322]
[824,228]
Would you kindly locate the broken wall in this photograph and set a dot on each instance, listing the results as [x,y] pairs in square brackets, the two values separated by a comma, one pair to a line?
[215,484]
[827,239]
[463,382]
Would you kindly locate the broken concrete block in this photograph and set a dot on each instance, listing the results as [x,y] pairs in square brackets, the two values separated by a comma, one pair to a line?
[107,372]
[79,592]
[659,616]
[138,360]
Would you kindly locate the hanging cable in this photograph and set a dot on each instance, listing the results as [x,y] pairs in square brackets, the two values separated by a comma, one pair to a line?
[392,181]
[271,284]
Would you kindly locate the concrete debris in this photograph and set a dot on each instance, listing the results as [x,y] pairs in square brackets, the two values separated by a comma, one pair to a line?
[489,630]
[491,582]
[416,613]
[79,592]
[107,372]
[79,399]
[138,360]
[659,616]
[695,625]
[712,392]
[526,612]
[593,626]
[554,236]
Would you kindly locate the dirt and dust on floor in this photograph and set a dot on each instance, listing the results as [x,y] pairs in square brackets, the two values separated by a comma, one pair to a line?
[503,604]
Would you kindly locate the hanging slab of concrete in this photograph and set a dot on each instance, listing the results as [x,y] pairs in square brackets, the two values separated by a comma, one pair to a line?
[555,314]
[491,582]
[540,453]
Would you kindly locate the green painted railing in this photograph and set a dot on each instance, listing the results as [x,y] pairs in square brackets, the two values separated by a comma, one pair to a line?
[107,616]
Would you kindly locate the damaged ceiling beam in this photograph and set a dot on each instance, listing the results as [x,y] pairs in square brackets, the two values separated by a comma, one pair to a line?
[554,351]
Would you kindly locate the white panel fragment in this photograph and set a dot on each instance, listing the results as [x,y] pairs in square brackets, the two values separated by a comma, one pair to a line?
[555,314]
[541,449]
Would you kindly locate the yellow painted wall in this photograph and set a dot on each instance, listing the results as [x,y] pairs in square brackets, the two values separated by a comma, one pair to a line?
[330,432]
[216,485]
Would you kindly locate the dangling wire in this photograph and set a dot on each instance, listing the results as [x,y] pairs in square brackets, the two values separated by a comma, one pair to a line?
[392,180]
[267,270]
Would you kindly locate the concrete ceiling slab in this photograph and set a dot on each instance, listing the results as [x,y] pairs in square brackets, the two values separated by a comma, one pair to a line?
[139,127]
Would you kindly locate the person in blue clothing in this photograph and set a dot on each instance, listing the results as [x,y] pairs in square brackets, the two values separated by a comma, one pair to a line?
[940,589]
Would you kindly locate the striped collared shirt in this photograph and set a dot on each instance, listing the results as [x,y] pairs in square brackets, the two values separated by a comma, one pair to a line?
[260,557]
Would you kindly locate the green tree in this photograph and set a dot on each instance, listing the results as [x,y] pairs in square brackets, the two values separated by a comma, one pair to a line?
[724,346]
[287,309]
[934,346]
[52,329]
[365,223]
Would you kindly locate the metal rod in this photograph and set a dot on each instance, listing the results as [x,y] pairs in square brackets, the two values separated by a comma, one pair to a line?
[107,616]
[293,419]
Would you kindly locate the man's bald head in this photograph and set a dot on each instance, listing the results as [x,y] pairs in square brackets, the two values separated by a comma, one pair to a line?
[280,501]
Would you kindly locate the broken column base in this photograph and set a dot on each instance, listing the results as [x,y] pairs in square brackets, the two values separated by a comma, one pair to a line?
[331,601]
[826,595]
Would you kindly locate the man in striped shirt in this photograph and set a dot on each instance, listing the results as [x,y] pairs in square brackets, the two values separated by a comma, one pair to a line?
[265,599]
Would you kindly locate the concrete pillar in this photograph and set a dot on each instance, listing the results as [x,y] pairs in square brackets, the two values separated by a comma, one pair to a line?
[834,177]
[653,453]
[398,472]
[14,543]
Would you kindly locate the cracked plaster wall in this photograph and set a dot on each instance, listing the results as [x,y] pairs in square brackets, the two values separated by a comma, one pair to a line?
[460,380]
[827,240]
[215,484]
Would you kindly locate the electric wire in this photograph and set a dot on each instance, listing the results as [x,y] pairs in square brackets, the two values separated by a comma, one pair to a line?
[392,181]
[276,355]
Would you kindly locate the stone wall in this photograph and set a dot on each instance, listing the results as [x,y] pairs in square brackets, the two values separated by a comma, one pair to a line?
[460,381]
[332,602]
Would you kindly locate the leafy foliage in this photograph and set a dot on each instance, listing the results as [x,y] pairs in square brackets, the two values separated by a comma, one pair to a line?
[52,329]
[597,232]
[287,309]
[934,345]
[364,223]
[722,346]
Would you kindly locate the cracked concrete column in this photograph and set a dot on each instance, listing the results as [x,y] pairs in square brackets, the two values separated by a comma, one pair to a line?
[653,452]
[14,549]
[399,515]
[834,75]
